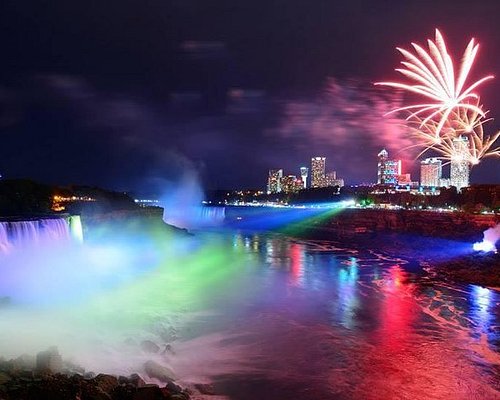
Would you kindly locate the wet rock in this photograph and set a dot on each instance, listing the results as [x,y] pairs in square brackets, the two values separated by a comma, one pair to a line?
[49,361]
[70,368]
[149,392]
[173,388]
[95,393]
[18,384]
[106,382]
[26,362]
[25,374]
[205,389]
[123,392]
[54,387]
[476,268]
[179,396]
[157,371]
[149,347]
[4,378]
[136,380]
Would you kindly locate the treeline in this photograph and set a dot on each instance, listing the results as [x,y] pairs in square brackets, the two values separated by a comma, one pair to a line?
[21,197]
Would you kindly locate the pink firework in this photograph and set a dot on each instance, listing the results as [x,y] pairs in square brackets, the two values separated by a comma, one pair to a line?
[432,75]
[462,123]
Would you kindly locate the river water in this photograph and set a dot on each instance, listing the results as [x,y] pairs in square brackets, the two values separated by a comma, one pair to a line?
[258,316]
[321,320]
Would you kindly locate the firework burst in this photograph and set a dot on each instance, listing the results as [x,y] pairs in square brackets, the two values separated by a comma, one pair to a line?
[432,75]
[452,123]
[462,125]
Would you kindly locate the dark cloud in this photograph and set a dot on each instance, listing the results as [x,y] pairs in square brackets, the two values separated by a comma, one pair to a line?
[346,122]
[113,92]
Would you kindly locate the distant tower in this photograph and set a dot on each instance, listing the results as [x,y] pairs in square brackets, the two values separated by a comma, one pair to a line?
[430,172]
[274,181]
[459,166]
[318,166]
[304,171]
[387,170]
[382,158]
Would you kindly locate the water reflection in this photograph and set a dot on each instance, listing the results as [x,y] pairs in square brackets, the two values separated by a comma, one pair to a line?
[348,301]
[356,323]
[480,298]
[296,254]
[397,309]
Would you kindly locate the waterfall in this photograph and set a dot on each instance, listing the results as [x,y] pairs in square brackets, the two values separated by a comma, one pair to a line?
[18,234]
[195,216]
[4,239]
[213,215]
[75,226]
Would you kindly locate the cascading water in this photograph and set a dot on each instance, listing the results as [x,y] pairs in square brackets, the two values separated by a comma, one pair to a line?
[19,234]
[212,215]
[4,239]
[184,207]
[76,229]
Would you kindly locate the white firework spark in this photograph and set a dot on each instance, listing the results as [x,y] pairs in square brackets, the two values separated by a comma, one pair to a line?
[433,76]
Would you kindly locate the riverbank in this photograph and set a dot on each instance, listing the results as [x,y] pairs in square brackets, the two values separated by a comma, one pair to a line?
[442,258]
[49,378]
[441,240]
[477,268]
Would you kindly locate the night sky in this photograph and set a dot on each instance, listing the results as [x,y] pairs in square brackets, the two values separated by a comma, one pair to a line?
[130,95]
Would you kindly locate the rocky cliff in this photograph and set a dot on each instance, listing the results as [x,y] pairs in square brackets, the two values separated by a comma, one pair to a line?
[440,224]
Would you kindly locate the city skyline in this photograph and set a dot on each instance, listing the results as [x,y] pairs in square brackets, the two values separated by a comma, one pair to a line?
[278,182]
[87,102]
[389,173]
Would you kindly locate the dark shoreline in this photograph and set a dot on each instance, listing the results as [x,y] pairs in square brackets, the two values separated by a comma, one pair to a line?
[442,258]
[48,377]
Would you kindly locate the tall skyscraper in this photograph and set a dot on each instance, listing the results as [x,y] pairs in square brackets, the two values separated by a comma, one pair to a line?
[304,171]
[318,165]
[387,169]
[431,170]
[459,166]
[382,158]
[330,178]
[290,184]
[274,181]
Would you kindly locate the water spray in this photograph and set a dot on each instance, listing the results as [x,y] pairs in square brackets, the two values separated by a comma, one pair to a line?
[491,236]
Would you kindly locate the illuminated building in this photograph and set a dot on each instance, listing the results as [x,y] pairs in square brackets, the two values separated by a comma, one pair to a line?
[318,165]
[431,170]
[444,182]
[332,180]
[274,181]
[387,169]
[404,179]
[304,171]
[459,166]
[291,184]
[288,183]
[330,177]
[59,202]
[337,182]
